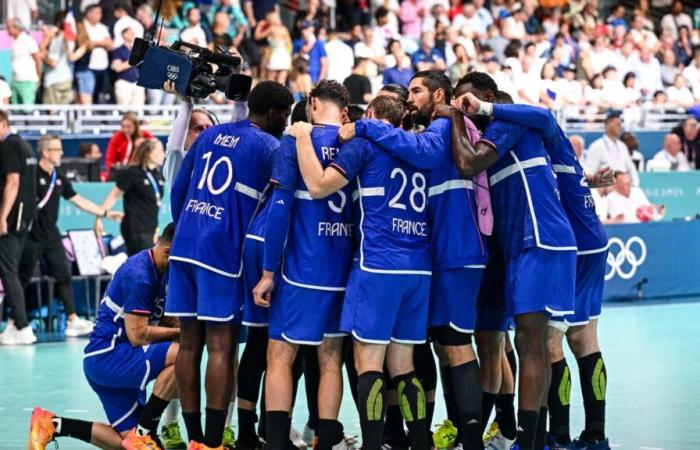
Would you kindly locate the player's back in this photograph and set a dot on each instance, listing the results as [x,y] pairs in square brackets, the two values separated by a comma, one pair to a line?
[575,194]
[227,165]
[137,275]
[525,197]
[391,209]
[318,251]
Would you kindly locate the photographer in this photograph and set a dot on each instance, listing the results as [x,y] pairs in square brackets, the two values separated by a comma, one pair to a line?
[141,184]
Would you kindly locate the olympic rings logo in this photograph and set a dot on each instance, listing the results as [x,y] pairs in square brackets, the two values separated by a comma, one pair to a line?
[624,258]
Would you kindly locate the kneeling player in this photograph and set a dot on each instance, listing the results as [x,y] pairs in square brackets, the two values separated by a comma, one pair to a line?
[386,304]
[127,350]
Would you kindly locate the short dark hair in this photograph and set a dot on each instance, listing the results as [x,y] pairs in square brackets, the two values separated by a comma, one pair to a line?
[504,97]
[4,117]
[381,12]
[166,237]
[331,91]
[268,95]
[434,80]
[610,117]
[398,89]
[84,148]
[355,113]
[387,108]
[299,112]
[480,80]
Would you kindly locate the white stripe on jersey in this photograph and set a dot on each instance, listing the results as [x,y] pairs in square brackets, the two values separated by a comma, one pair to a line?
[563,168]
[449,185]
[302,195]
[254,237]
[516,167]
[372,192]
[247,190]
[208,267]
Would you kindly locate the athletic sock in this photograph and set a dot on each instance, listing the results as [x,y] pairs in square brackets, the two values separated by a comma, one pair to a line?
[450,403]
[330,432]
[78,429]
[277,430]
[527,429]
[371,394]
[594,379]
[193,424]
[487,401]
[513,363]
[246,426]
[505,415]
[541,435]
[393,429]
[150,416]
[172,412]
[214,427]
[466,385]
[558,401]
[411,396]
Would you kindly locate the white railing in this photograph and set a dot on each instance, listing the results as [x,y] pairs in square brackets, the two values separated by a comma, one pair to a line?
[105,119]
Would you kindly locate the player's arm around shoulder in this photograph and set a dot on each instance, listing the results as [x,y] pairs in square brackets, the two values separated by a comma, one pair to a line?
[319,182]
[140,332]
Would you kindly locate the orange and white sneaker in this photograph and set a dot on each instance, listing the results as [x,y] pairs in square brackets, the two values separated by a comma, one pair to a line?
[135,441]
[197,446]
[41,429]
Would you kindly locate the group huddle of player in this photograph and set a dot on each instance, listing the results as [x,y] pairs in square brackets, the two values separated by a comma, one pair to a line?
[441,214]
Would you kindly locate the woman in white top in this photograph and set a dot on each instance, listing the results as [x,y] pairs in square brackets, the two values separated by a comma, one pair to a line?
[679,94]
[280,53]
[549,96]
[593,93]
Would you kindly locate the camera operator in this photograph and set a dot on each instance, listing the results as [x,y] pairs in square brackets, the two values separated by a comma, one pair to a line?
[17,208]
[44,239]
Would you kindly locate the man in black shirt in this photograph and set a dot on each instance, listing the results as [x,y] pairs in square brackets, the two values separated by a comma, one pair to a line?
[358,85]
[688,131]
[17,208]
[44,239]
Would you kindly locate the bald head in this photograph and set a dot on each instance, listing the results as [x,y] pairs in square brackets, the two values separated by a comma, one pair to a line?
[672,143]
[577,144]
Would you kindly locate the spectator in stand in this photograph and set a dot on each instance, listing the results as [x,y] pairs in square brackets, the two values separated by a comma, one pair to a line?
[692,72]
[461,66]
[141,185]
[144,15]
[438,14]
[58,74]
[340,58]
[195,33]
[221,23]
[632,144]
[18,188]
[617,16]
[100,45]
[610,151]
[648,71]
[629,204]
[299,79]
[497,42]
[124,20]
[679,95]
[587,20]
[5,92]
[84,77]
[641,35]
[385,30]
[427,57]
[514,25]
[26,64]
[411,14]
[280,42]
[126,91]
[672,154]
[89,150]
[256,10]
[123,142]
[371,49]
[469,22]
[671,22]
[399,69]
[26,11]
[669,68]
[238,24]
[683,47]
[358,85]
[309,47]
[687,131]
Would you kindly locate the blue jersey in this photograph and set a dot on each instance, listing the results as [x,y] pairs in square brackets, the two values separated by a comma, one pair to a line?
[256,231]
[319,247]
[392,200]
[456,240]
[573,184]
[216,193]
[137,288]
[524,192]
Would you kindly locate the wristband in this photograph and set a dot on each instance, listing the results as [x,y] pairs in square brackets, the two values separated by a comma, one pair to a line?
[485,109]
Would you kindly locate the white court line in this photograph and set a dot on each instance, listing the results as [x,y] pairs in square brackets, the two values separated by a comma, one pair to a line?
[27,409]
[76,411]
[650,448]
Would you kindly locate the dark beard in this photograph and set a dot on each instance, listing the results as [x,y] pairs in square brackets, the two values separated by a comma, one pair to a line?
[424,115]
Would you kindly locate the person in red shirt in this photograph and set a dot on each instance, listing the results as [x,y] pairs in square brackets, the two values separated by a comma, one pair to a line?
[124,141]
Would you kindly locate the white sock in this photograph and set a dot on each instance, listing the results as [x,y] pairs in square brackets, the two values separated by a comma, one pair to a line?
[229,415]
[172,412]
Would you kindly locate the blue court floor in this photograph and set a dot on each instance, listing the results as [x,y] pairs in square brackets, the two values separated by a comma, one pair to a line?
[651,353]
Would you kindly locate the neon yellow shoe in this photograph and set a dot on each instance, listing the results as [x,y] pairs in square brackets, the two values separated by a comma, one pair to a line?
[446,434]
[229,438]
[491,431]
[171,438]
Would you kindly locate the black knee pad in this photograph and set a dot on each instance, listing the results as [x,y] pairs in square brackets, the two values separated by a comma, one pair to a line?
[424,362]
[446,335]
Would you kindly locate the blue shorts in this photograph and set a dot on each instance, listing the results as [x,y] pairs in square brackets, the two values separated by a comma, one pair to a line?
[539,280]
[590,280]
[304,316]
[85,81]
[380,308]
[453,295]
[491,310]
[119,378]
[253,315]
[196,292]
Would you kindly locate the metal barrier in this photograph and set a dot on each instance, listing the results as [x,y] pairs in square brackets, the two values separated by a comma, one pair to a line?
[105,119]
